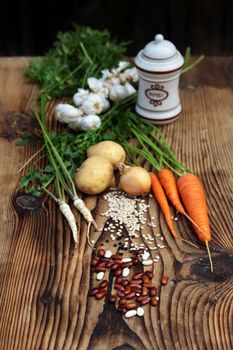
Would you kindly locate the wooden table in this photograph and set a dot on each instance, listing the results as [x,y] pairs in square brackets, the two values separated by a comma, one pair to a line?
[44,302]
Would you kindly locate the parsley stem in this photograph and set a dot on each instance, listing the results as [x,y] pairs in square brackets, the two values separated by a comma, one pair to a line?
[86,53]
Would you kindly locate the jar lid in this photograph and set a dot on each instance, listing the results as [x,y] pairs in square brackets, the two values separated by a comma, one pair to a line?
[159,56]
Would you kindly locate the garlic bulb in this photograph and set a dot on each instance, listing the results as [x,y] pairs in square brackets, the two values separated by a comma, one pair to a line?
[130,89]
[118,92]
[79,97]
[106,103]
[90,122]
[66,113]
[132,74]
[92,104]
[75,125]
[95,84]
[121,66]
[106,74]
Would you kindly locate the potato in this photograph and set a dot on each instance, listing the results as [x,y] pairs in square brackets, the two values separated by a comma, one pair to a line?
[95,175]
[110,150]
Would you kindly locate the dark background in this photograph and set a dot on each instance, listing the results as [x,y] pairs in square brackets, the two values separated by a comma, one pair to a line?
[29,27]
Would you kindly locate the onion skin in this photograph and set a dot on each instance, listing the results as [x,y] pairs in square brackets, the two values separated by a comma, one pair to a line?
[135,181]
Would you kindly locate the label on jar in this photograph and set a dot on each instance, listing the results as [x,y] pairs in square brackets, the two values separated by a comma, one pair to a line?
[158,96]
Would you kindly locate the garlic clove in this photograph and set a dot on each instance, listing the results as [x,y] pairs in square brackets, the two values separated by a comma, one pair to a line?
[66,113]
[90,122]
[79,97]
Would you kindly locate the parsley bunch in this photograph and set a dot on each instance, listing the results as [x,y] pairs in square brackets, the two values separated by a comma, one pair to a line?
[75,56]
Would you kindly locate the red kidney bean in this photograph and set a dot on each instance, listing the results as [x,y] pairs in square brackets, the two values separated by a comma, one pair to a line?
[140,251]
[149,274]
[153,302]
[119,287]
[126,264]
[116,257]
[122,301]
[115,266]
[153,292]
[135,261]
[118,280]
[133,281]
[149,285]
[120,294]
[104,259]
[113,299]
[101,264]
[125,283]
[137,289]
[100,269]
[144,291]
[131,306]
[94,262]
[127,290]
[164,280]
[135,285]
[137,276]
[101,252]
[118,272]
[93,291]
[101,294]
[122,309]
[145,279]
[139,299]
[109,264]
[103,284]
[131,295]
[145,300]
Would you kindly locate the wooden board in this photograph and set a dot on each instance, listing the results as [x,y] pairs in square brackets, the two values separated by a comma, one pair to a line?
[44,279]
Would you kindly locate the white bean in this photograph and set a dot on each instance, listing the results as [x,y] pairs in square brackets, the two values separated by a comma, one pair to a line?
[108,253]
[100,276]
[140,311]
[145,255]
[147,262]
[130,313]
[125,272]
[125,260]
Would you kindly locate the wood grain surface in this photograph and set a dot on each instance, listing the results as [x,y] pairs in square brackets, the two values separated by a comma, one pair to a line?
[44,279]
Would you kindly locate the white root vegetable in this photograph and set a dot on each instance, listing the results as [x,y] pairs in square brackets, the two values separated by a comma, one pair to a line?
[66,211]
[95,175]
[135,181]
[110,150]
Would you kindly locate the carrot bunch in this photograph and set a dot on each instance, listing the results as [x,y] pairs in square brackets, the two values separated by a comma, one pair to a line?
[191,190]
[155,149]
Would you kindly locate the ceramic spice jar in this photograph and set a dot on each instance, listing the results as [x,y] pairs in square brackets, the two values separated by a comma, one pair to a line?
[159,66]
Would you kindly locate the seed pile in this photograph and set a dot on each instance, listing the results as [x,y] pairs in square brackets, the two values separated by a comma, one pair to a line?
[131,294]
[126,210]
[130,212]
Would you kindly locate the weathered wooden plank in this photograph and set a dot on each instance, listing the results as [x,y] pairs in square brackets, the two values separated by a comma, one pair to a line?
[45,279]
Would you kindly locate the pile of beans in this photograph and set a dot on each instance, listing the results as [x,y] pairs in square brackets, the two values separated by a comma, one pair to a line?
[131,294]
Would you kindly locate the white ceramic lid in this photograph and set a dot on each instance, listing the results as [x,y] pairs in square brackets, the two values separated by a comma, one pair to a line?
[159,55]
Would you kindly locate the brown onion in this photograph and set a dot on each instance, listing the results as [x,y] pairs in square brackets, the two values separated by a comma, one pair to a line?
[135,181]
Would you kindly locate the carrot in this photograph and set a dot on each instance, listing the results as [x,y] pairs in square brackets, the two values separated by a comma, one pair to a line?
[159,194]
[168,181]
[193,196]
